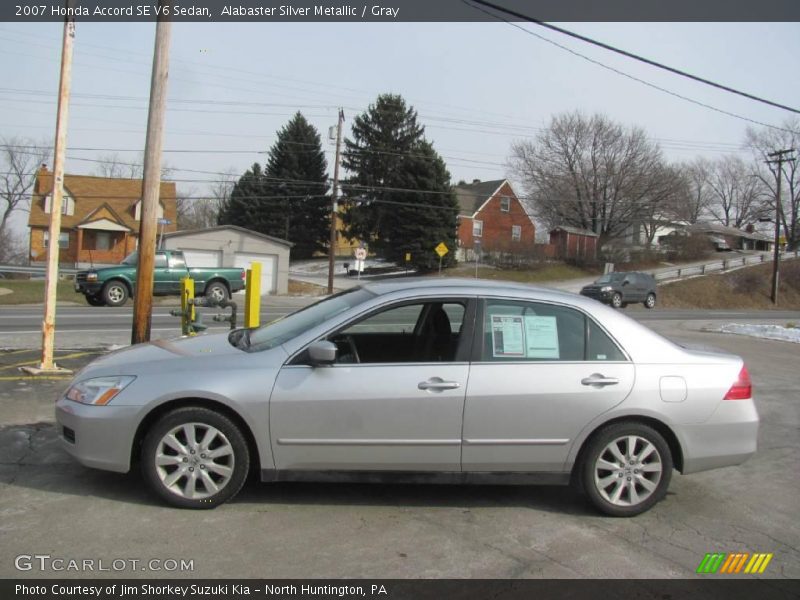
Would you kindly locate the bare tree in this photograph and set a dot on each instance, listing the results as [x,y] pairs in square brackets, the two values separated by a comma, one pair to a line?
[200,212]
[20,159]
[692,206]
[736,193]
[115,166]
[664,202]
[764,141]
[589,172]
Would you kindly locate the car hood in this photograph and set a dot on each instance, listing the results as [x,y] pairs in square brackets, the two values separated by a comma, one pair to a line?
[200,349]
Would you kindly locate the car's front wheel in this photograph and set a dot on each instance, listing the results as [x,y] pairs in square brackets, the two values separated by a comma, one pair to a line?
[194,457]
[650,301]
[115,293]
[626,469]
[94,300]
[616,300]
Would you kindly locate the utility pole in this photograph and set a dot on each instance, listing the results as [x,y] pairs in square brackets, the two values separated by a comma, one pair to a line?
[56,199]
[778,158]
[151,184]
[334,205]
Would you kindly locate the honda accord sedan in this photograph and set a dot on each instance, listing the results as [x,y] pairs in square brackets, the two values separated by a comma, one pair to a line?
[417,380]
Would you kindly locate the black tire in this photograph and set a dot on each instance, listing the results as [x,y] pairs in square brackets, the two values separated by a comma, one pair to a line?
[217,291]
[115,293]
[200,420]
[95,300]
[650,301]
[616,300]
[628,503]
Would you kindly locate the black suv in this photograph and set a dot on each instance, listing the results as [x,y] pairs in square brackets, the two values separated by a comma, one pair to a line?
[621,289]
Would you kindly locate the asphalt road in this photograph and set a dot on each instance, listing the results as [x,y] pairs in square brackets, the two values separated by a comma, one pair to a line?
[51,505]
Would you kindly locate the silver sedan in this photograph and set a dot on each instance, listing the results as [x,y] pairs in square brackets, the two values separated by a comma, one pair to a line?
[417,380]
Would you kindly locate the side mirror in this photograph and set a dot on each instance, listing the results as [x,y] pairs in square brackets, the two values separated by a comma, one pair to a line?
[322,353]
[626,282]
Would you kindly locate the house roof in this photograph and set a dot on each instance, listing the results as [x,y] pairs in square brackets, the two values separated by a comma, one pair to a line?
[720,229]
[575,230]
[242,230]
[471,196]
[91,193]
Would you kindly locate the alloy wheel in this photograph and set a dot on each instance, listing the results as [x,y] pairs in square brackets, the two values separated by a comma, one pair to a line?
[628,470]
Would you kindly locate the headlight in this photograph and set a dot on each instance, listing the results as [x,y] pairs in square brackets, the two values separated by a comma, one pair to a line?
[606,288]
[98,391]
[91,277]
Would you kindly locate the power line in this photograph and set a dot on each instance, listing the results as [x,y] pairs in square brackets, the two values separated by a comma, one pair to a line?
[634,56]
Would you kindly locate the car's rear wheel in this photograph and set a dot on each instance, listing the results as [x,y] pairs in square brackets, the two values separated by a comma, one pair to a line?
[626,469]
[115,293]
[194,457]
[217,291]
[95,300]
[616,300]
[650,301]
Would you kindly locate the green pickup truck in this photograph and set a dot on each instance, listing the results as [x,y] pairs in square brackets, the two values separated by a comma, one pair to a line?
[112,286]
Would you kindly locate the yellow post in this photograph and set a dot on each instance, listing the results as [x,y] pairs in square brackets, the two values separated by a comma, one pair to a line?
[187,309]
[252,295]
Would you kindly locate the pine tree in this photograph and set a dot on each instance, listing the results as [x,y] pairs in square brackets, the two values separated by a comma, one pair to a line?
[400,195]
[287,200]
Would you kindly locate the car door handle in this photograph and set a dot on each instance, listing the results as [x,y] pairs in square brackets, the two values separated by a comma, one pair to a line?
[599,380]
[436,384]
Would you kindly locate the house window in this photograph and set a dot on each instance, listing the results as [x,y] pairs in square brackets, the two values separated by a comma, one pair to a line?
[516,233]
[505,204]
[102,240]
[63,239]
[67,204]
[477,228]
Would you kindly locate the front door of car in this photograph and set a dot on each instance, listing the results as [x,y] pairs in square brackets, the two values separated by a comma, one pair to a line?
[393,400]
[541,372]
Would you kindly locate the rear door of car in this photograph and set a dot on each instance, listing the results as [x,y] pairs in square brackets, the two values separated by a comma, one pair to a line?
[393,401]
[540,373]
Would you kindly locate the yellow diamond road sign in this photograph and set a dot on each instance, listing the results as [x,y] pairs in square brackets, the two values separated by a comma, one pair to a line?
[441,249]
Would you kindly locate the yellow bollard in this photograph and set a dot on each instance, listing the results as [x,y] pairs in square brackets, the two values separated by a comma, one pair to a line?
[187,309]
[252,296]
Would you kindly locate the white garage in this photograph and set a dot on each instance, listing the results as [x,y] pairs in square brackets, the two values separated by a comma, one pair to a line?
[202,258]
[268,271]
[232,246]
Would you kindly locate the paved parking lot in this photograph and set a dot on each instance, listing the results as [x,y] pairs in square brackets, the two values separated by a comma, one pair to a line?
[50,505]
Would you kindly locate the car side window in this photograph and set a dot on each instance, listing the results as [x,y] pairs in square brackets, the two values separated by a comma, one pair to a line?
[160,261]
[516,331]
[176,261]
[418,332]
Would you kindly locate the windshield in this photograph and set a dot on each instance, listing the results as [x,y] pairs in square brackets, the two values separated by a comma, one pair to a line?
[610,277]
[131,259]
[280,331]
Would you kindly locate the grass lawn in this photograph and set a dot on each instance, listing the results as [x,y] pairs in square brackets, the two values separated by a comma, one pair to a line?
[32,291]
[551,272]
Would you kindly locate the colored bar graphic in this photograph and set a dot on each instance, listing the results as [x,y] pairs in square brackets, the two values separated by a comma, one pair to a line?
[733,563]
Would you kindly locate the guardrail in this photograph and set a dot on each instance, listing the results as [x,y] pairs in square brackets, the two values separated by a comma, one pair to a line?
[721,265]
[35,270]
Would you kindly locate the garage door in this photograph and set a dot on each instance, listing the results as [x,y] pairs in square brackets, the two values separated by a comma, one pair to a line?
[268,268]
[203,258]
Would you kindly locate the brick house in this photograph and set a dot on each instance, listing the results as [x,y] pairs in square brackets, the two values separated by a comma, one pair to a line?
[99,217]
[490,213]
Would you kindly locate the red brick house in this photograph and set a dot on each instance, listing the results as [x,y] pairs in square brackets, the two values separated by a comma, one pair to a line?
[573,243]
[99,217]
[491,214]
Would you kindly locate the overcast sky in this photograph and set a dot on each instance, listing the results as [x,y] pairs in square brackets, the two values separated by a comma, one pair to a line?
[476,87]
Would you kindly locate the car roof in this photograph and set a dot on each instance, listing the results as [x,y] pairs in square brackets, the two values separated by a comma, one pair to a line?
[450,285]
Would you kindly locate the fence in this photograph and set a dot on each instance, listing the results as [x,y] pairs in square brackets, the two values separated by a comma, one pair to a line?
[722,265]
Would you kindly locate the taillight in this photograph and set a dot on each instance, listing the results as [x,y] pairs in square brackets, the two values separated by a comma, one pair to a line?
[244,274]
[742,389]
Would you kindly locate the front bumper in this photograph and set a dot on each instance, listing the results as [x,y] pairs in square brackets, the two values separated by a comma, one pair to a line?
[88,288]
[727,439]
[100,437]
[597,295]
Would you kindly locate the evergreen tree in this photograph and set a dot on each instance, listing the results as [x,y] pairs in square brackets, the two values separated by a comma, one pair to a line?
[287,200]
[400,192]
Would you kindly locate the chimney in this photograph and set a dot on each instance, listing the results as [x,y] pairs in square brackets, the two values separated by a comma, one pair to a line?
[40,174]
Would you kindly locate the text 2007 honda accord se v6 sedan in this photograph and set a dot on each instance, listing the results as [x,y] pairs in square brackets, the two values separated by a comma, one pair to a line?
[438,380]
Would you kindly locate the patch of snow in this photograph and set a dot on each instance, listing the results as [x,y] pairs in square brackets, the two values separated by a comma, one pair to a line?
[769,332]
